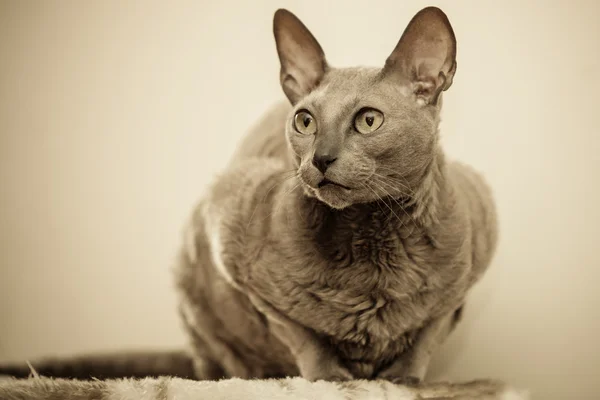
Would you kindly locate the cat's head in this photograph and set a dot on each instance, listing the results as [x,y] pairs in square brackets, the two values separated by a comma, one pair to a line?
[360,134]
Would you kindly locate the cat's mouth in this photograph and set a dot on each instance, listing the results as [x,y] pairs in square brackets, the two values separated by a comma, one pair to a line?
[326,182]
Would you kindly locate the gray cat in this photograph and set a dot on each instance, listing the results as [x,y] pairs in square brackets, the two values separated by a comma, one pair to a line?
[339,243]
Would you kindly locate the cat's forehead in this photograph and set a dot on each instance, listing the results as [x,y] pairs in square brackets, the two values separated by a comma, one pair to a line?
[347,79]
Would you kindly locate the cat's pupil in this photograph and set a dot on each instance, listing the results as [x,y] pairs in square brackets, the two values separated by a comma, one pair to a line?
[306,121]
[370,120]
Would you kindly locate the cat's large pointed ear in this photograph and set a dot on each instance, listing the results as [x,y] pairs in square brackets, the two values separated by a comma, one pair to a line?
[302,59]
[424,59]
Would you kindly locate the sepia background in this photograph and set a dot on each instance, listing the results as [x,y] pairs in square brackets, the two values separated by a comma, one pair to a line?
[114,115]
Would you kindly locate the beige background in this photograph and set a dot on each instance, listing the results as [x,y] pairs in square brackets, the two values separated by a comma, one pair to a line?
[114,116]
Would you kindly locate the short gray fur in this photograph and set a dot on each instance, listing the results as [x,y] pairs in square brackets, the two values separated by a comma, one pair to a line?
[282,277]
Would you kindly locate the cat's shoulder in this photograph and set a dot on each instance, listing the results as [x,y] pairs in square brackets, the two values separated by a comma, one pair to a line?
[221,215]
[468,177]
[232,192]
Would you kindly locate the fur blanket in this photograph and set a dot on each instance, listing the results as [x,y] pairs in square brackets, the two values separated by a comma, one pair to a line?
[38,388]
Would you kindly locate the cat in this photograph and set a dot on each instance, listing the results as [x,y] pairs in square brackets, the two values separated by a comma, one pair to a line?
[339,243]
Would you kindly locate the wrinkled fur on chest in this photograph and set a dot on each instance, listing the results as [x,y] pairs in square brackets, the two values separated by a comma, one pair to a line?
[364,260]
[364,278]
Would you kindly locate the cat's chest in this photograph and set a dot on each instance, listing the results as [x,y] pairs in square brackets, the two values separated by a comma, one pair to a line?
[356,279]
[363,301]
[358,290]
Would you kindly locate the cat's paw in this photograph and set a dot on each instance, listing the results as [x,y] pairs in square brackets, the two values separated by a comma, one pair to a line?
[330,373]
[403,380]
[330,378]
[334,378]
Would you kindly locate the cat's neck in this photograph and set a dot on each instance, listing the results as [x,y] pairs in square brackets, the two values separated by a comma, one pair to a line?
[415,215]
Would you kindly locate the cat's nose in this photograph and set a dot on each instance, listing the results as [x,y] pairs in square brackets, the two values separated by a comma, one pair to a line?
[323,161]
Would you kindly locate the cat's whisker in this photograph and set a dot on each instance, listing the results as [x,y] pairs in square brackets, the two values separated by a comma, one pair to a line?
[392,212]
[375,193]
[382,180]
[379,180]
[284,196]
[294,173]
[412,192]
[281,201]
[397,203]
[395,179]
[395,176]
[386,204]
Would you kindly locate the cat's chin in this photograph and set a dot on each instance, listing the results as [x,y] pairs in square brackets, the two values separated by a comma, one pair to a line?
[334,196]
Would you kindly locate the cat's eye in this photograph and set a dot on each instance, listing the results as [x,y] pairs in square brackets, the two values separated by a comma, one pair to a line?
[368,120]
[305,123]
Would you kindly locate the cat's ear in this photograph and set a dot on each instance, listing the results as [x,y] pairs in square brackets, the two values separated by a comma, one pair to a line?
[302,59]
[424,59]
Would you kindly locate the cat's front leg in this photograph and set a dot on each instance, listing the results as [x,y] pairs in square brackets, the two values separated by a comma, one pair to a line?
[315,360]
[411,367]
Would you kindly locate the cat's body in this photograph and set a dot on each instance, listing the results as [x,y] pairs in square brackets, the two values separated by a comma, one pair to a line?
[366,277]
[339,243]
